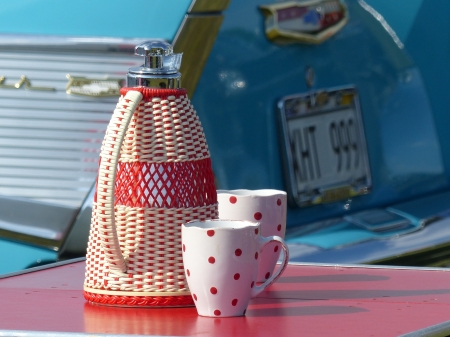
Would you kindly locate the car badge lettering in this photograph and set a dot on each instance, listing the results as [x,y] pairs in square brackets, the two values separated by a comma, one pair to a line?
[23,82]
[94,87]
[311,21]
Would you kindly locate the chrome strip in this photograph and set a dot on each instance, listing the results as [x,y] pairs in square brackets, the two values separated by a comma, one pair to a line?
[377,251]
[70,43]
[383,22]
[438,330]
[365,266]
[43,267]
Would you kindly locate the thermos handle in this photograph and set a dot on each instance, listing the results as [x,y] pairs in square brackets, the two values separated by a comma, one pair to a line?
[109,155]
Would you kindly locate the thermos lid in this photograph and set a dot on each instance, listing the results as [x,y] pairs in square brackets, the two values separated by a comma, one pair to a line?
[160,69]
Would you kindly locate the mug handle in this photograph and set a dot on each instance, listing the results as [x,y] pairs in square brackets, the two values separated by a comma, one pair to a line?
[264,241]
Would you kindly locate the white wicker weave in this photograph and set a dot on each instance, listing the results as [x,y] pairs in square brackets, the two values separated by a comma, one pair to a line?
[137,249]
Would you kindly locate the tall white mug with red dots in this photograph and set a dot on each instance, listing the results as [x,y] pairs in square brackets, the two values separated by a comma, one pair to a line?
[268,207]
[221,264]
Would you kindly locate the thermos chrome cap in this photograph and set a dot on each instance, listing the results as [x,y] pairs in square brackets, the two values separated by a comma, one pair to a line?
[160,69]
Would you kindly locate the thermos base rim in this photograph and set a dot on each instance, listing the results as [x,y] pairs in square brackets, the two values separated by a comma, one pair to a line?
[141,299]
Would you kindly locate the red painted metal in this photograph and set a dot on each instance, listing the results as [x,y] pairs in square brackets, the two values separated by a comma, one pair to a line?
[306,300]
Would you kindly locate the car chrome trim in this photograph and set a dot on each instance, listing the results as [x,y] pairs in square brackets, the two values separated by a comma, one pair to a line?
[24,81]
[43,267]
[433,236]
[437,330]
[68,43]
[382,21]
[49,140]
[365,266]
[84,86]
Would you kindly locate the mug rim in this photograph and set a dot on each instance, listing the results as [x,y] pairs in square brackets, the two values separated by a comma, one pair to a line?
[267,192]
[231,224]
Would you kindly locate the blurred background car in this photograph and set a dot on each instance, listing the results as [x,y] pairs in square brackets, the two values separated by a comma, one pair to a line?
[343,104]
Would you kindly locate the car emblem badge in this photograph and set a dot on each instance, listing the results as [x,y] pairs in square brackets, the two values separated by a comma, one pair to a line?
[23,82]
[311,21]
[94,87]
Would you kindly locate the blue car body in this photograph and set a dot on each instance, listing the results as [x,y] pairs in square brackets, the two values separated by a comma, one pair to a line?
[393,56]
[396,66]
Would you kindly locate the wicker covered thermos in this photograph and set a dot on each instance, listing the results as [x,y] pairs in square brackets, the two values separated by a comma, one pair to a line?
[155,174]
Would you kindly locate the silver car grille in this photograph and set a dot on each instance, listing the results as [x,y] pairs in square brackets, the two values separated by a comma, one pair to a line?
[50,140]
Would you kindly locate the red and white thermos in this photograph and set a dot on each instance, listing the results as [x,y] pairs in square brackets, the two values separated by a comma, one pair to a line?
[155,174]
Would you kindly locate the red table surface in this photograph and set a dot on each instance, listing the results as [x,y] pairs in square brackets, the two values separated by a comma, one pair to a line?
[307,300]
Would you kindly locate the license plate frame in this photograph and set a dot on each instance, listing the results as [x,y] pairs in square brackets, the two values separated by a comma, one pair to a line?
[306,116]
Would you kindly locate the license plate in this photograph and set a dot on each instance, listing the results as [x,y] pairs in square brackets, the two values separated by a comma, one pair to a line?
[325,150]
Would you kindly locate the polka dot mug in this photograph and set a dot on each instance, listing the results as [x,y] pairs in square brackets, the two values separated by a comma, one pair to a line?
[221,264]
[268,207]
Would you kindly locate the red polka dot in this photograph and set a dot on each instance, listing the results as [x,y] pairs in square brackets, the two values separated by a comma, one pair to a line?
[210,232]
[237,276]
[279,202]
[234,302]
[279,228]
[257,216]
[188,272]
[256,231]
[217,312]
[238,252]
[211,259]
[275,249]
[233,199]
[256,256]
[184,248]
[267,275]
[252,285]
[213,290]
[195,296]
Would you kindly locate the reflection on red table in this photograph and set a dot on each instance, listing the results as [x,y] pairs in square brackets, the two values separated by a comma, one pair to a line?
[309,300]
